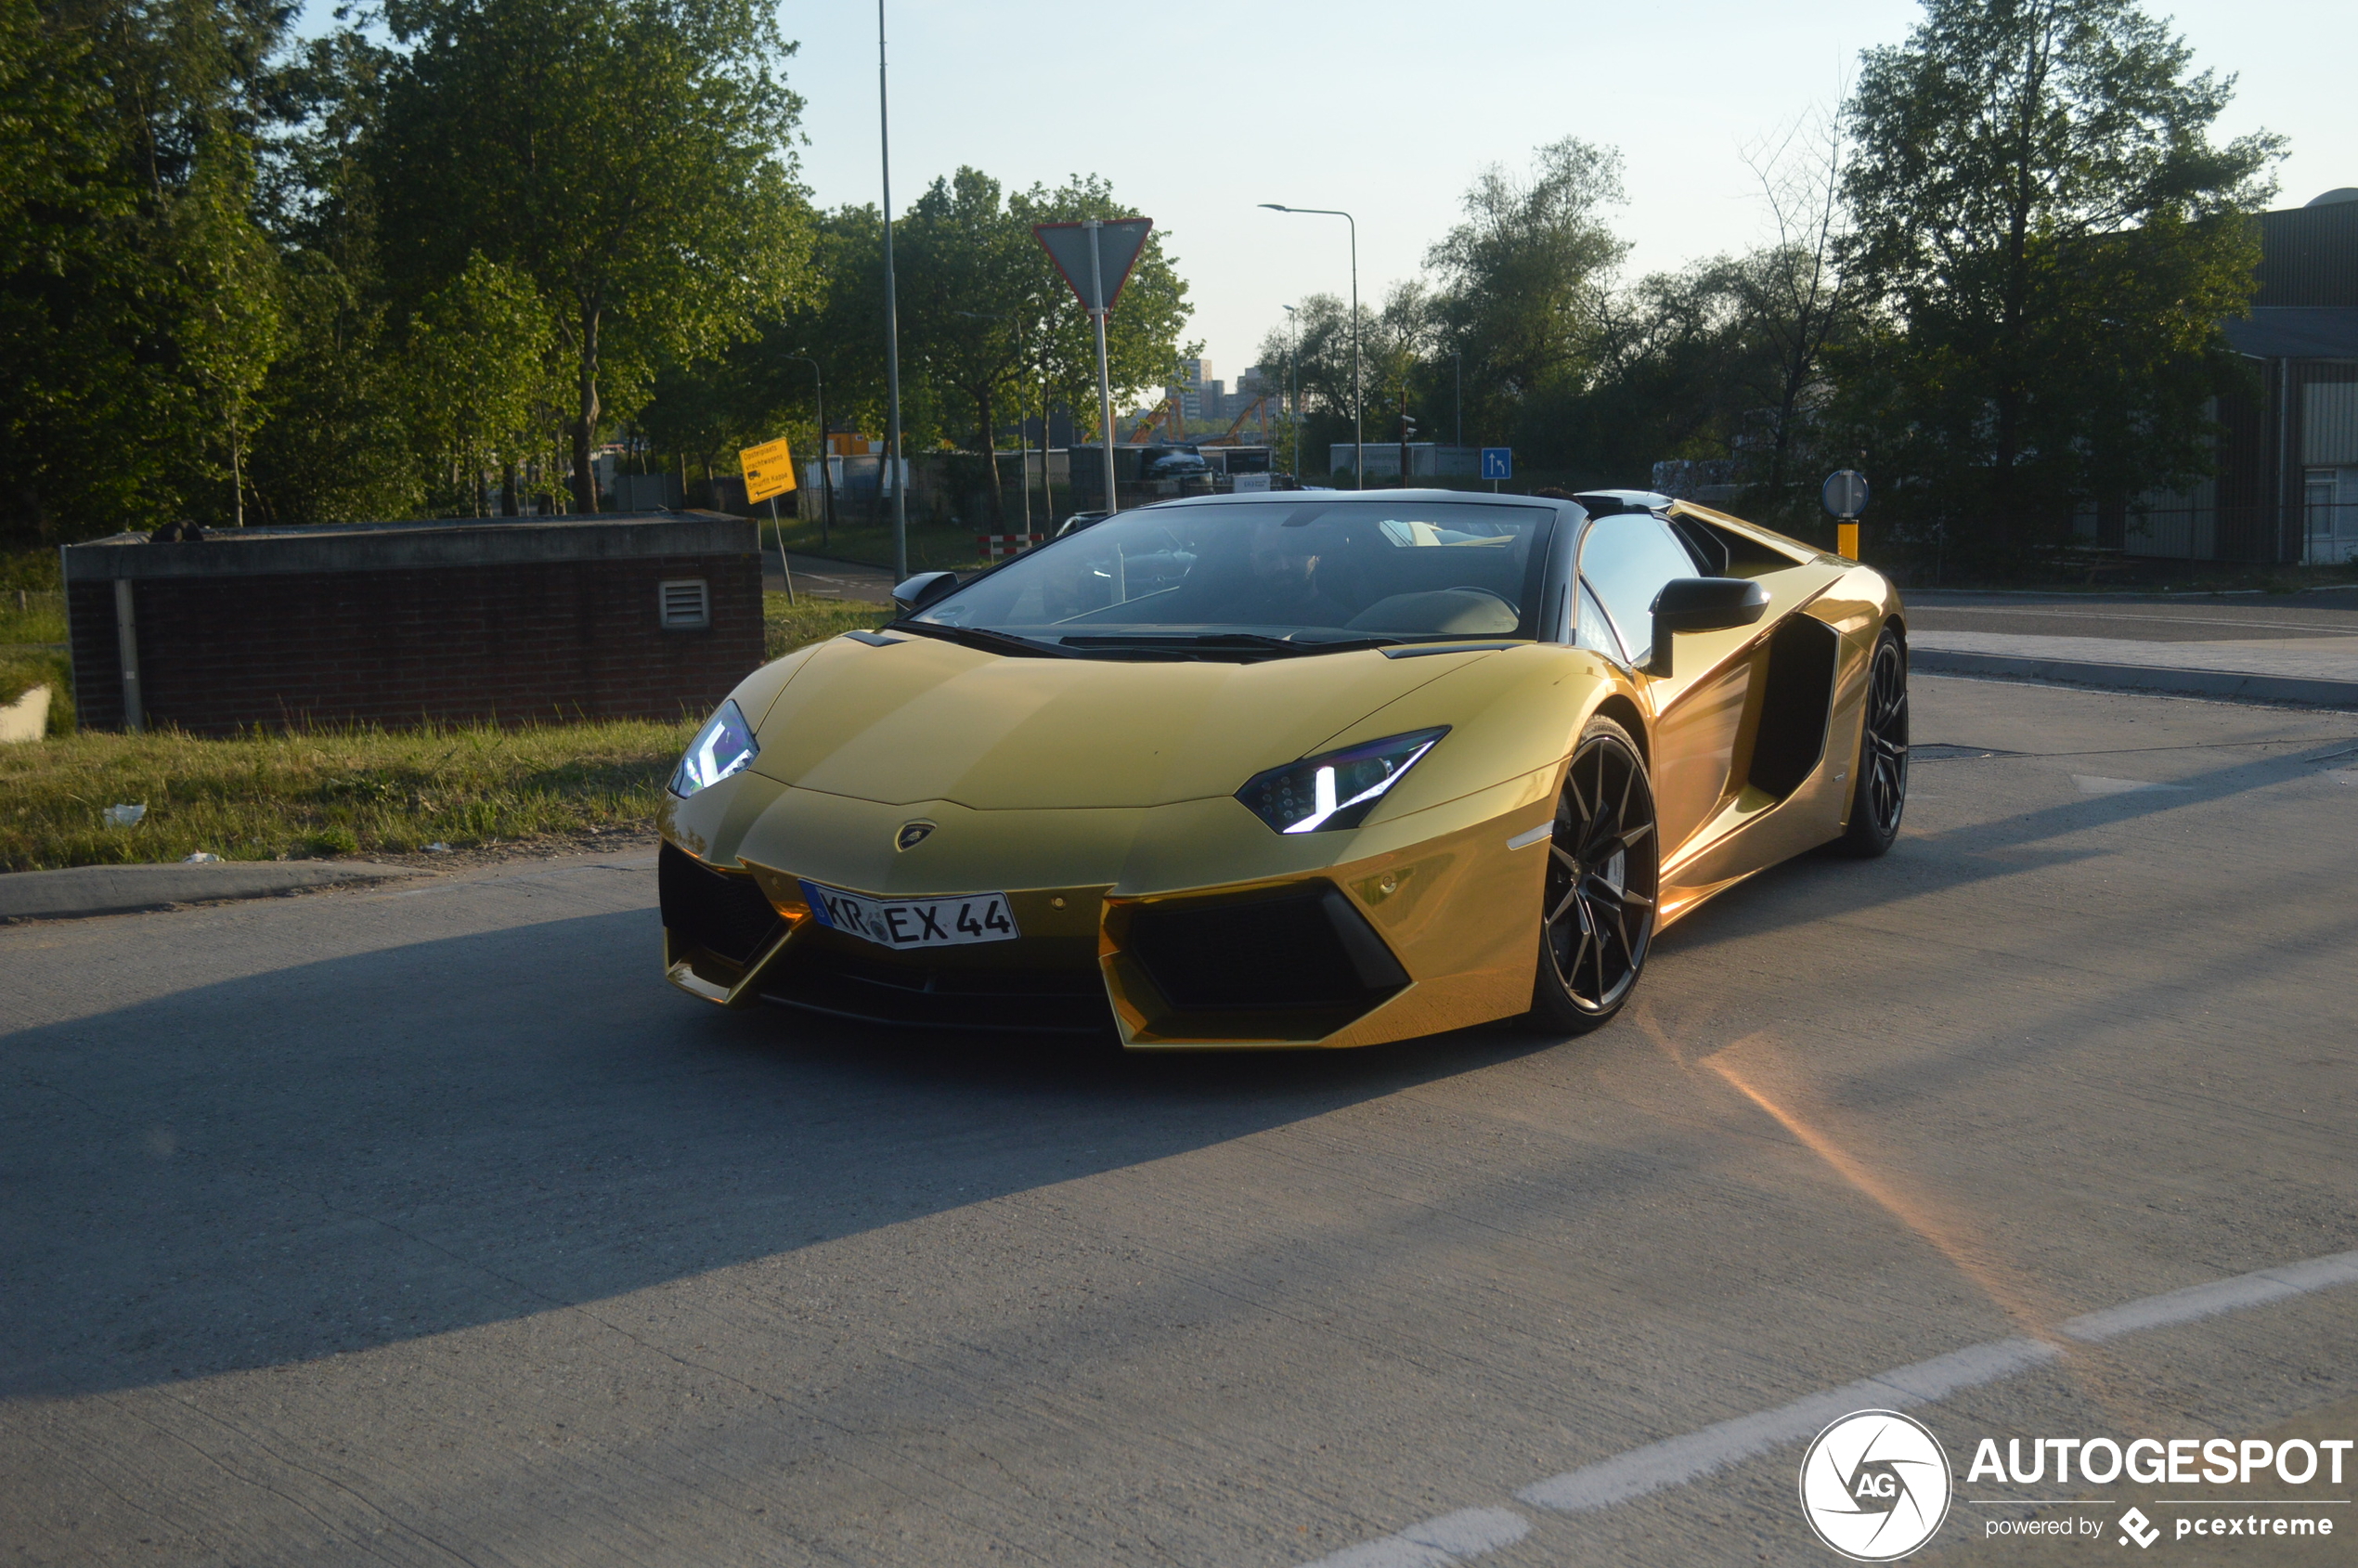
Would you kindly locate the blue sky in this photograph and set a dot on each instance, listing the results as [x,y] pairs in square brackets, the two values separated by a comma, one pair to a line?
[1199,112]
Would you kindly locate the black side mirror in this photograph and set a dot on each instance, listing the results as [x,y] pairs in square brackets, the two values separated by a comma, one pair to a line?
[923,589]
[1703,604]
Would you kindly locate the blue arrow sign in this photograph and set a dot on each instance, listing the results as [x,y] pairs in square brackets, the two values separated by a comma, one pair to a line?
[1497,463]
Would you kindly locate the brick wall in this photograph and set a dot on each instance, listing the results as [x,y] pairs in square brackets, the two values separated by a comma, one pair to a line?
[512,642]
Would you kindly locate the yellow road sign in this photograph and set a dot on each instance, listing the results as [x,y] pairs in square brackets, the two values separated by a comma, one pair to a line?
[768,470]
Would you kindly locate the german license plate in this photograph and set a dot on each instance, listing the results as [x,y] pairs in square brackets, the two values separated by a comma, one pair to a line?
[907,923]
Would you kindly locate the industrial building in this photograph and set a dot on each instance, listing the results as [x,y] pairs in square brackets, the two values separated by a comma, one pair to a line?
[2286,488]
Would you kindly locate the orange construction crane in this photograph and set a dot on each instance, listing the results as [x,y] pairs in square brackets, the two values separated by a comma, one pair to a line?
[1230,438]
[1178,421]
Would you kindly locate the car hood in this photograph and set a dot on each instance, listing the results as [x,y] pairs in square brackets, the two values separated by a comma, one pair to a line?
[925,720]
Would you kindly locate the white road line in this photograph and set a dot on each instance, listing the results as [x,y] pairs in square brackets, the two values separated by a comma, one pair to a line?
[2195,1302]
[1674,1461]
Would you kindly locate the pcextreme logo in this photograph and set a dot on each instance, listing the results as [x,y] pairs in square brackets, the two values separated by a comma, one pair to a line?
[1874,1485]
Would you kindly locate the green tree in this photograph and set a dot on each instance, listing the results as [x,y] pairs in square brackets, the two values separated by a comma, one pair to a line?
[2049,240]
[1794,299]
[967,282]
[138,299]
[633,160]
[333,445]
[1524,279]
[231,326]
[480,357]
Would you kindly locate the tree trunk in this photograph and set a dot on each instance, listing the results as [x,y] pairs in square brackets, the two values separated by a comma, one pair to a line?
[991,452]
[508,504]
[585,429]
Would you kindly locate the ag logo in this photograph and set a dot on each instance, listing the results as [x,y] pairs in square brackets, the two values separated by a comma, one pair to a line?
[912,835]
[1874,1485]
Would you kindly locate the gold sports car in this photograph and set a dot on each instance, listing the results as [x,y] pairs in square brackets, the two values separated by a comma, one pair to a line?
[1319,768]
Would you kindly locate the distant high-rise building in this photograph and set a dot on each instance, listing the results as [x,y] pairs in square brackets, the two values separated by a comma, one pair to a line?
[1193,379]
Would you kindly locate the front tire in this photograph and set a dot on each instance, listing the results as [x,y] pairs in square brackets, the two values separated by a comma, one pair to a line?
[1597,915]
[1879,795]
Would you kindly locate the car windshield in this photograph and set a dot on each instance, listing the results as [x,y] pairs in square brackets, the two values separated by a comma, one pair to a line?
[1301,573]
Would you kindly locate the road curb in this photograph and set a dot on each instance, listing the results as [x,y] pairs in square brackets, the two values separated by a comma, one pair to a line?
[82,890]
[2303,691]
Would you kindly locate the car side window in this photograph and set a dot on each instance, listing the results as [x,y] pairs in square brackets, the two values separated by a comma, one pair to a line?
[1624,560]
[1592,630]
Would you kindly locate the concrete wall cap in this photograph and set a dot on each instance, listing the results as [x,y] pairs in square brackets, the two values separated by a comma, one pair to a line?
[366,547]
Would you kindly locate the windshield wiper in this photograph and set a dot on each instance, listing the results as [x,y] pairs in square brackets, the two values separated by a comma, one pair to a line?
[990,641]
[1213,643]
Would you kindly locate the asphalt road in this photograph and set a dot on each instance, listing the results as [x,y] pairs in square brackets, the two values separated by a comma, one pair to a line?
[829,580]
[427,1226]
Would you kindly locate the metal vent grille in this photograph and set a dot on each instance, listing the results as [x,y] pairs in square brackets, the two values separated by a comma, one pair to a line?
[684,604]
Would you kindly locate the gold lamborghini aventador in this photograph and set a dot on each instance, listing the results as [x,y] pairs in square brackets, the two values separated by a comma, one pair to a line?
[1306,769]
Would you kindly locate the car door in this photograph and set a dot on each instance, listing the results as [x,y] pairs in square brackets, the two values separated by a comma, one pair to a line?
[1625,558]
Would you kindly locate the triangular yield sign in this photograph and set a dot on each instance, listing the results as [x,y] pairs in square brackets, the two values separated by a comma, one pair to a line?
[1118,242]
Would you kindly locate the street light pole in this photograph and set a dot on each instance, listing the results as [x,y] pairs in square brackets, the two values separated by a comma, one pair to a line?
[1293,378]
[826,465]
[1458,359]
[892,325]
[1358,412]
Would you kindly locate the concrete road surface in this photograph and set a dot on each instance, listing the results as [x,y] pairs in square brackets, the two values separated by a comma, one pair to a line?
[426,1226]
[2223,617]
[2289,648]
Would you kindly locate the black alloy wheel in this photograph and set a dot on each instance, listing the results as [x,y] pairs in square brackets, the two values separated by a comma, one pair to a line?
[1596,919]
[1880,796]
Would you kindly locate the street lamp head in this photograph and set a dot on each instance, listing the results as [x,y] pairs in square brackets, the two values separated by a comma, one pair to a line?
[1276,207]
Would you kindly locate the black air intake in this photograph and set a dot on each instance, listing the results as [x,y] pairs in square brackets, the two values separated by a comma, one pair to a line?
[1309,948]
[723,914]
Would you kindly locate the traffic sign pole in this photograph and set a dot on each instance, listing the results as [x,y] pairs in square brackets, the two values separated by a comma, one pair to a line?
[1105,375]
[1845,495]
[780,533]
[1097,290]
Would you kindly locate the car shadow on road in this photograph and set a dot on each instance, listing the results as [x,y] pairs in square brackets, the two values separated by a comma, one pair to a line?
[401,1143]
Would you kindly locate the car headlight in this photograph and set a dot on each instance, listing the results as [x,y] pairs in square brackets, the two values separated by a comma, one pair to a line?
[1337,790]
[723,747]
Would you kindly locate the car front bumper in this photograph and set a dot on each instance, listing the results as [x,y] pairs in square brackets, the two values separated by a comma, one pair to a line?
[1182,925]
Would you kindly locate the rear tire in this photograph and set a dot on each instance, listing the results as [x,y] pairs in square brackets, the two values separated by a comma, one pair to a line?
[1597,913]
[1879,792]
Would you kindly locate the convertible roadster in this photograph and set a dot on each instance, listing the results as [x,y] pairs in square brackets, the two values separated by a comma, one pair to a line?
[1320,768]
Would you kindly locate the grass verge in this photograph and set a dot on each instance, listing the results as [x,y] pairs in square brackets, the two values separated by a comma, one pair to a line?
[316,793]
[356,790]
[787,626]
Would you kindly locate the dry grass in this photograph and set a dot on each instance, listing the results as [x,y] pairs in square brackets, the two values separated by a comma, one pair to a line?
[266,796]
[353,791]
[786,628]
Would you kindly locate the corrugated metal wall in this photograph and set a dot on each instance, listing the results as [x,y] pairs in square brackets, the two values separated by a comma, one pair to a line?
[2309,255]
[2329,422]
